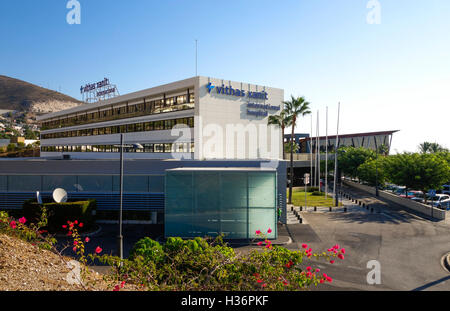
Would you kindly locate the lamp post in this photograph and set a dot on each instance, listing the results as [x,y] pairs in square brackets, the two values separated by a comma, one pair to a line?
[120,237]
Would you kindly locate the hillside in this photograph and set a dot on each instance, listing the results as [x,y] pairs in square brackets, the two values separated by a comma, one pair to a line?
[26,97]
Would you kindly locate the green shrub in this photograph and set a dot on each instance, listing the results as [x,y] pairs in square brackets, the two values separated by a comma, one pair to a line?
[202,264]
[318,193]
[60,213]
[313,189]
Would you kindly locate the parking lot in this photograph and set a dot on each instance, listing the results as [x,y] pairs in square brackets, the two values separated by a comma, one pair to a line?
[408,247]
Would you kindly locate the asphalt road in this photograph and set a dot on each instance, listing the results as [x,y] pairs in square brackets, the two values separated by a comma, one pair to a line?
[408,247]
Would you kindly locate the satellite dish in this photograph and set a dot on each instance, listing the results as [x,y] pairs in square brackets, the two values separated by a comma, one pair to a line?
[39,198]
[60,195]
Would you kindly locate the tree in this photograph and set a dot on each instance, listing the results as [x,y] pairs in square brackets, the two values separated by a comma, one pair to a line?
[11,147]
[351,158]
[423,171]
[282,120]
[295,108]
[428,147]
[372,172]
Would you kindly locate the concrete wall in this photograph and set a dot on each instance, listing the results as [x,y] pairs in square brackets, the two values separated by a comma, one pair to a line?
[407,203]
[225,130]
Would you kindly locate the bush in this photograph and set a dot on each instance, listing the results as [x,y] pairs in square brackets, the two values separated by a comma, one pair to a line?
[60,213]
[313,189]
[205,264]
[318,193]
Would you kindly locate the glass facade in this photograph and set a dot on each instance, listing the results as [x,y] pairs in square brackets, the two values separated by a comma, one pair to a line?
[146,106]
[82,183]
[148,148]
[208,203]
[128,128]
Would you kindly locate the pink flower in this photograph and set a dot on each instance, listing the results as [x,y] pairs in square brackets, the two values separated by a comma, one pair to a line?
[87,240]
[76,222]
[341,256]
[305,246]
[317,270]
[269,231]
[258,232]
[23,220]
[260,243]
[308,269]
[259,281]
[343,251]
[64,226]
[332,261]
[116,288]
[81,225]
[122,284]
[13,224]
[75,242]
[98,250]
[336,246]
[329,279]
[75,249]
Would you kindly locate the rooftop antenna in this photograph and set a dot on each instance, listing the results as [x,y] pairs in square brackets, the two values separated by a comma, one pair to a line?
[196,57]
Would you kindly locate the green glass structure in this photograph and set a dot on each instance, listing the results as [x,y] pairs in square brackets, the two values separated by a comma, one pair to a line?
[202,202]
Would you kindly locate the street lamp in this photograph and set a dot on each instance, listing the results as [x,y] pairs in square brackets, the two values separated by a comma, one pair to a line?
[121,146]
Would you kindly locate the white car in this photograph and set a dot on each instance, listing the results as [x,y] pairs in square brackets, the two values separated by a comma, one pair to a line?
[446,189]
[441,201]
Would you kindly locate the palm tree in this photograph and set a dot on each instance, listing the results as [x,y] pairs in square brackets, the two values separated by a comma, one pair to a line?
[428,147]
[282,120]
[296,107]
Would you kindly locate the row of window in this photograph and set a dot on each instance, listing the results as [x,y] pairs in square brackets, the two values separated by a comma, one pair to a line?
[146,107]
[127,128]
[147,148]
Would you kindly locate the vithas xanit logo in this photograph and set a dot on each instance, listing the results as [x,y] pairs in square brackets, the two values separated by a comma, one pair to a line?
[228,90]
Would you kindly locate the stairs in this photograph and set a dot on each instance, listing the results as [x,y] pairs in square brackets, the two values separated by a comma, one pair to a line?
[293,217]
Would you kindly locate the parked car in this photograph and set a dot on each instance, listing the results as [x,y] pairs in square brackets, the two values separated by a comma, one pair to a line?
[441,201]
[446,189]
[412,194]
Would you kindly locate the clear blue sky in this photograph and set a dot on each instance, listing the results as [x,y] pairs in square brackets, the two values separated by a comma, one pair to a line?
[392,75]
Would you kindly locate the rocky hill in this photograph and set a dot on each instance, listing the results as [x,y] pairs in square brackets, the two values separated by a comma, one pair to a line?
[25,97]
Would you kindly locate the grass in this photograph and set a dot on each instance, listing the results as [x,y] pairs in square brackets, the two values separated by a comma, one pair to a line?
[298,199]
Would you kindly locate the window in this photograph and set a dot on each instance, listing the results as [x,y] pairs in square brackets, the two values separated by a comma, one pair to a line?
[149,126]
[159,148]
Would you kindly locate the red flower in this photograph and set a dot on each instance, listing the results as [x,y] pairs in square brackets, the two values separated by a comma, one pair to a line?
[75,242]
[260,243]
[305,246]
[308,269]
[64,226]
[81,225]
[285,283]
[343,251]
[23,220]
[98,250]
[75,249]
[264,285]
[122,284]
[329,279]
[70,233]
[116,288]
[259,281]
[332,261]
[258,232]
[341,256]
[269,231]
[87,240]
[76,222]
[13,224]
